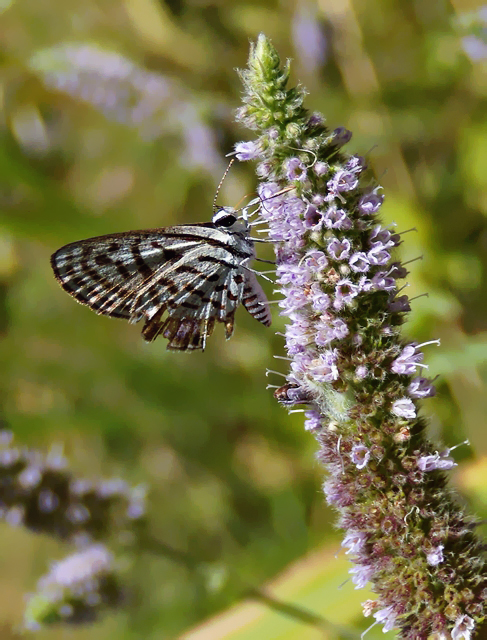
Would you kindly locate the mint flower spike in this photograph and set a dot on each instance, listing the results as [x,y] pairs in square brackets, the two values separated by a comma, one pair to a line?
[75,590]
[359,382]
[39,492]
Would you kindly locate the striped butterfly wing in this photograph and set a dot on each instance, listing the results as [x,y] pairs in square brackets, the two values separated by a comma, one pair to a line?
[179,279]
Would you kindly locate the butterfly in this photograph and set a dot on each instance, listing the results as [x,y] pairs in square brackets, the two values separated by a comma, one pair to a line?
[180,280]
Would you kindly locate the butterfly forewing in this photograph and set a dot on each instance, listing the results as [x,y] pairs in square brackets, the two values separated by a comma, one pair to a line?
[180,280]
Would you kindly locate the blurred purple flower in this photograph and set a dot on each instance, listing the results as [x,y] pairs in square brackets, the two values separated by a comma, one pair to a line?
[129,94]
[308,38]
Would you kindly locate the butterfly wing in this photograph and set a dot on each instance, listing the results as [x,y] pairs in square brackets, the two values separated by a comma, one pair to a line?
[105,272]
[188,272]
[203,288]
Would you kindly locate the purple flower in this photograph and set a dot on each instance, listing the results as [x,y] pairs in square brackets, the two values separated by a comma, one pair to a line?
[267,192]
[295,274]
[361,372]
[365,284]
[292,208]
[370,202]
[329,330]
[323,368]
[288,254]
[283,216]
[404,408]
[436,461]
[407,362]
[474,47]
[421,388]
[386,617]
[345,292]
[341,136]
[397,271]
[359,263]
[315,260]
[30,477]
[361,575]
[313,420]
[382,282]
[308,38]
[295,170]
[320,168]
[295,344]
[247,150]
[79,567]
[383,238]
[333,492]
[435,557]
[354,541]
[356,163]
[47,501]
[399,304]
[342,181]
[312,217]
[301,364]
[263,170]
[378,256]
[273,133]
[315,120]
[336,219]
[320,300]
[338,249]
[295,299]
[464,625]
[360,456]
[297,336]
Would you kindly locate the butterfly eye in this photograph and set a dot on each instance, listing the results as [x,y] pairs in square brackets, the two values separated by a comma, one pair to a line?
[224,218]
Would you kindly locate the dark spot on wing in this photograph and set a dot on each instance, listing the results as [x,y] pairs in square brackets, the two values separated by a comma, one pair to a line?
[122,270]
[187,268]
[141,264]
[103,260]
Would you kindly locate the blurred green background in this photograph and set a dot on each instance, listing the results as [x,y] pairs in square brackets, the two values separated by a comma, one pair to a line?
[117,115]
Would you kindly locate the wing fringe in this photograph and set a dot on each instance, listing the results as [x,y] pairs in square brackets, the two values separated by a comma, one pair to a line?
[183,333]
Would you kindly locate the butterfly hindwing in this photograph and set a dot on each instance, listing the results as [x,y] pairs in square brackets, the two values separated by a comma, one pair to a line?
[200,293]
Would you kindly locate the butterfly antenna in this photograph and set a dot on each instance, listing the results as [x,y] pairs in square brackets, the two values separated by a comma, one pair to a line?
[262,200]
[241,200]
[221,182]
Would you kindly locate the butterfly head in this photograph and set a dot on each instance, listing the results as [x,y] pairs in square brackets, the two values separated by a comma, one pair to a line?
[227,218]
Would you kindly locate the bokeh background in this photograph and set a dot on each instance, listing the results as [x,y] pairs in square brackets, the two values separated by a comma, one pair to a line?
[117,115]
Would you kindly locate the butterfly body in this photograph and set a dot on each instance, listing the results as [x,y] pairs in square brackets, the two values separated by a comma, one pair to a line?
[180,280]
